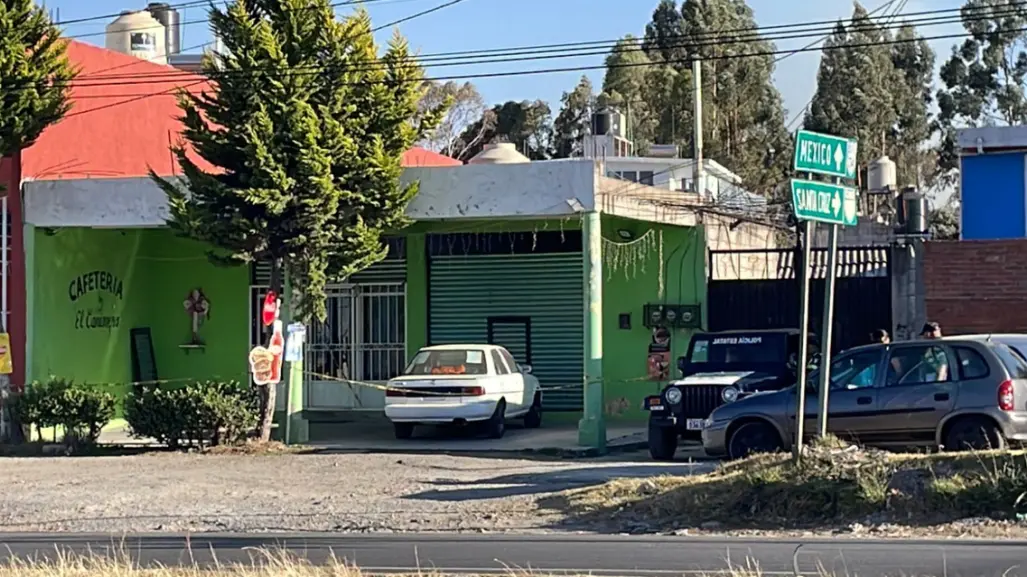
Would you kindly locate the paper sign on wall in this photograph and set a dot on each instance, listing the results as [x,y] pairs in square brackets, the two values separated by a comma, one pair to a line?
[6,364]
[294,343]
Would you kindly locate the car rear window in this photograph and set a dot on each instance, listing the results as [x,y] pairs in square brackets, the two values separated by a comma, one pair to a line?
[1012,360]
[448,362]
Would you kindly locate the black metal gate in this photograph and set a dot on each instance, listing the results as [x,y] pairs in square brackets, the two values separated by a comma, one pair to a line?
[758,289]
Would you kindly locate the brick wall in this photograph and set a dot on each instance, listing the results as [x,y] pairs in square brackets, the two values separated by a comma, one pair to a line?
[976,286]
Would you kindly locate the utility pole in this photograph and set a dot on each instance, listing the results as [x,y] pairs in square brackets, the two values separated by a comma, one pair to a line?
[698,173]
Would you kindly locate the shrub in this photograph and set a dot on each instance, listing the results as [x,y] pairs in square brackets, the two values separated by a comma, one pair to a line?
[80,410]
[201,414]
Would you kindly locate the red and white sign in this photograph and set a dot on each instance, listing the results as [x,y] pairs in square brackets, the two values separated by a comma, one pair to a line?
[270,311]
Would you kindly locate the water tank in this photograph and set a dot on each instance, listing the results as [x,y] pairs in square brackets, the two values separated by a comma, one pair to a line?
[138,34]
[912,213]
[171,21]
[499,153]
[881,175]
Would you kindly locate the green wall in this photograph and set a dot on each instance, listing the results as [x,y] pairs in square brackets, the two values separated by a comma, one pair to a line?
[132,278]
[632,280]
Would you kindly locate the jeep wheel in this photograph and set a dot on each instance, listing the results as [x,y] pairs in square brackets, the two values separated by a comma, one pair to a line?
[974,434]
[663,442]
[752,438]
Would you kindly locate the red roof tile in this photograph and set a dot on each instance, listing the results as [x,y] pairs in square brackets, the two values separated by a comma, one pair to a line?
[118,128]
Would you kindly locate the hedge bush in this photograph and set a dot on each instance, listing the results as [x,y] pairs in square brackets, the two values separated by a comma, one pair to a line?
[80,410]
[202,414]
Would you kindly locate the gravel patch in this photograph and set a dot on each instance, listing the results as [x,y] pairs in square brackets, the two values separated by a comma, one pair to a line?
[346,492]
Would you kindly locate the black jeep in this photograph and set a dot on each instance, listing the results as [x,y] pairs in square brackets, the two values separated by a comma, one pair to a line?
[721,368]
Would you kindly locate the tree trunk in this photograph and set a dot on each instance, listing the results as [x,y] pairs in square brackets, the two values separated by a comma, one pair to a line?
[269,392]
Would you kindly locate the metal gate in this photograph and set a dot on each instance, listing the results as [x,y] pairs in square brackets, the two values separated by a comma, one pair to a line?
[758,289]
[362,339]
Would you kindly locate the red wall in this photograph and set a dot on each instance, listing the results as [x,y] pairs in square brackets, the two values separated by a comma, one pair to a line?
[977,286]
[10,177]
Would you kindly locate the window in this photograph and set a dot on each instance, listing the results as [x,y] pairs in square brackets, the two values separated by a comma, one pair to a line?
[1013,362]
[514,368]
[629,175]
[646,177]
[971,364]
[918,365]
[499,363]
[857,371]
[448,362]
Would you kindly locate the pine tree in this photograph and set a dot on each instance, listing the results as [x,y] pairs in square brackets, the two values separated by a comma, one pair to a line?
[743,115]
[572,123]
[855,85]
[34,74]
[527,125]
[626,86]
[306,126]
[913,89]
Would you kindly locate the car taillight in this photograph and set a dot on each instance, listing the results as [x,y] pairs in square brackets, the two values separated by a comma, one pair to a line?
[473,391]
[1006,397]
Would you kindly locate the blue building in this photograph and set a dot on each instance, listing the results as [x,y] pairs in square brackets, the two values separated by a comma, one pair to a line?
[993,182]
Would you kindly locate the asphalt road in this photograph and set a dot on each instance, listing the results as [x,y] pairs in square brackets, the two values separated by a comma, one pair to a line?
[624,556]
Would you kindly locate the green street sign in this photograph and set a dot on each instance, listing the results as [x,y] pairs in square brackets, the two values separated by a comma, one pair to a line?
[825,154]
[823,202]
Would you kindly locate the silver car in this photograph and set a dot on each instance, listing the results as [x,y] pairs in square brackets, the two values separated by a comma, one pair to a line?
[958,392]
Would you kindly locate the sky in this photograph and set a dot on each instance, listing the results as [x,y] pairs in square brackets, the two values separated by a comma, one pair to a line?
[489,24]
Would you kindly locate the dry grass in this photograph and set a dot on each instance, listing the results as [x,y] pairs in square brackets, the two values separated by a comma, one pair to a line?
[265,564]
[834,486]
[259,448]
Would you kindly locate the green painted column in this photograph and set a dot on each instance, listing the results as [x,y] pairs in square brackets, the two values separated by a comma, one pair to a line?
[592,427]
[297,430]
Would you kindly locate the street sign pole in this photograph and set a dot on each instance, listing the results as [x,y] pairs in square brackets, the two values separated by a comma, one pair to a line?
[824,388]
[800,386]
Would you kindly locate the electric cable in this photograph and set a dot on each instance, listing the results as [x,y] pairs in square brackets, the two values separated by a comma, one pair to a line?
[603,48]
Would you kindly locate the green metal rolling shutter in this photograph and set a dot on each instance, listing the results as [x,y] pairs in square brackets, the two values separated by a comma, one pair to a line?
[464,291]
[391,270]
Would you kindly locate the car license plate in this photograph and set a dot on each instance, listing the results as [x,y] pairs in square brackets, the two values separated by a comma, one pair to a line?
[694,424]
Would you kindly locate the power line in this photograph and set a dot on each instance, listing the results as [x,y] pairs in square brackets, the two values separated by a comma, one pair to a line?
[442,59]
[176,89]
[809,103]
[193,4]
[514,73]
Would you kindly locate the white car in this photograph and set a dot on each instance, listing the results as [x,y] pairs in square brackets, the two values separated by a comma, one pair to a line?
[463,384]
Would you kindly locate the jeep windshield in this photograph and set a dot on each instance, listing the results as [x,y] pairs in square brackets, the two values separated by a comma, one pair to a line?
[725,352]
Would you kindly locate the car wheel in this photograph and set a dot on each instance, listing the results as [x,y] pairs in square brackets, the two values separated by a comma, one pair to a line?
[533,418]
[663,442]
[403,430]
[496,425]
[753,438]
[974,434]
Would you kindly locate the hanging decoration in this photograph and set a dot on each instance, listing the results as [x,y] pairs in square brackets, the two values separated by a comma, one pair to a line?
[631,257]
[198,308]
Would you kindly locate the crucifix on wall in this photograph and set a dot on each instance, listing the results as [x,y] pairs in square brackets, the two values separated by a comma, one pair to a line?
[198,308]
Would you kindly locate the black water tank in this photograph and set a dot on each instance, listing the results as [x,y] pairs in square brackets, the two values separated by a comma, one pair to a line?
[601,123]
[912,212]
[169,17]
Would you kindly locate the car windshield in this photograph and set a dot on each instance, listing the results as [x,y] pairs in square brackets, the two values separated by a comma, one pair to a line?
[448,362]
[737,349]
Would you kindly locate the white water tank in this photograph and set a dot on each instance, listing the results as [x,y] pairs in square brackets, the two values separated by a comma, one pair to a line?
[881,175]
[499,153]
[138,34]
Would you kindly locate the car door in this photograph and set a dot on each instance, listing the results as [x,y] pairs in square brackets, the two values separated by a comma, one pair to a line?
[919,390]
[527,382]
[852,395]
